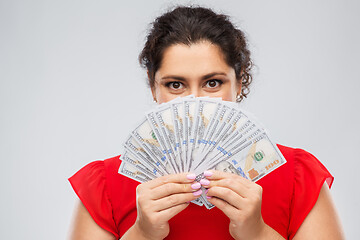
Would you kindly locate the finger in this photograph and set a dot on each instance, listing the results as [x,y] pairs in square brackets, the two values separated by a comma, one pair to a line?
[234,183]
[174,200]
[217,175]
[171,212]
[173,188]
[225,207]
[172,178]
[226,195]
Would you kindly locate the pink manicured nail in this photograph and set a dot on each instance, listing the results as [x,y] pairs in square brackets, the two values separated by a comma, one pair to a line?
[198,192]
[208,197]
[204,182]
[191,176]
[208,173]
[196,185]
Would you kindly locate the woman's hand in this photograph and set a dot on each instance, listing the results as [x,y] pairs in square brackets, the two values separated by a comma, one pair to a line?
[240,200]
[161,199]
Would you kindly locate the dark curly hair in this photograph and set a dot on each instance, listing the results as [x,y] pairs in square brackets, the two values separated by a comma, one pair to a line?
[189,25]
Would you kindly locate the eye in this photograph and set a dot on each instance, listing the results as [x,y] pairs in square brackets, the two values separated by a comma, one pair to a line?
[174,85]
[213,83]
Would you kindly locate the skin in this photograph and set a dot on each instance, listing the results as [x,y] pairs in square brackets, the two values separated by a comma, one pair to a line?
[200,69]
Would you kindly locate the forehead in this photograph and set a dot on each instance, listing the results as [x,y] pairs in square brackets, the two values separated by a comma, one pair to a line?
[198,58]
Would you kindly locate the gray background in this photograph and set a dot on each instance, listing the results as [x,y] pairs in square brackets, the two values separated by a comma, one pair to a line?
[71,88]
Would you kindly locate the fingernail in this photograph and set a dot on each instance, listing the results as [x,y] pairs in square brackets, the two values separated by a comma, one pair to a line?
[191,176]
[208,197]
[204,182]
[206,191]
[198,192]
[196,185]
[208,173]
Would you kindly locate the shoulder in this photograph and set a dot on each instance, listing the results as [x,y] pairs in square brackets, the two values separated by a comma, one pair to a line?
[305,166]
[112,164]
[293,155]
[107,195]
[291,190]
[118,185]
[308,176]
[100,180]
[96,171]
[285,174]
[104,173]
[90,184]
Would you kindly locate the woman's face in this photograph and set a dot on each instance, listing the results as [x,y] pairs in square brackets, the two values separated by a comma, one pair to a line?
[199,69]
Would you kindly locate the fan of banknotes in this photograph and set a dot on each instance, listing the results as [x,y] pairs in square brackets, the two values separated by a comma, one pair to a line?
[194,134]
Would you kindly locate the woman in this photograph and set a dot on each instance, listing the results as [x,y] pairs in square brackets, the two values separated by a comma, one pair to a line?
[195,51]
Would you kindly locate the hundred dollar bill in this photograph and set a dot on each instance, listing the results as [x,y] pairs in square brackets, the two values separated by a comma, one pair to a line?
[166,125]
[241,134]
[137,150]
[206,109]
[162,139]
[249,115]
[253,161]
[226,130]
[241,127]
[178,114]
[130,158]
[208,164]
[206,140]
[195,134]
[231,166]
[257,157]
[209,129]
[189,115]
[242,116]
[146,137]
[222,120]
[130,171]
[228,150]
[224,166]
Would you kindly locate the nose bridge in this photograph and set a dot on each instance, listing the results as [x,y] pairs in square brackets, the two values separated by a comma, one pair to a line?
[195,90]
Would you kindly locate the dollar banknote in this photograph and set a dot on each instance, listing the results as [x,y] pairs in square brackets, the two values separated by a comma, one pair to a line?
[191,134]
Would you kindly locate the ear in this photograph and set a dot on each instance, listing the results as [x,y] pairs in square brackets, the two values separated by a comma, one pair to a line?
[239,87]
[239,84]
[153,92]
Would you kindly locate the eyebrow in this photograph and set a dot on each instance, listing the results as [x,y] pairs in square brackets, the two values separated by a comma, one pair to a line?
[203,77]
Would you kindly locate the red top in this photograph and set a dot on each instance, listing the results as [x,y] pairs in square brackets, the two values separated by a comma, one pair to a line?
[289,193]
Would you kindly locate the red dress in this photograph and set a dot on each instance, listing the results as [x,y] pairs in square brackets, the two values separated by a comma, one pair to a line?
[289,193]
